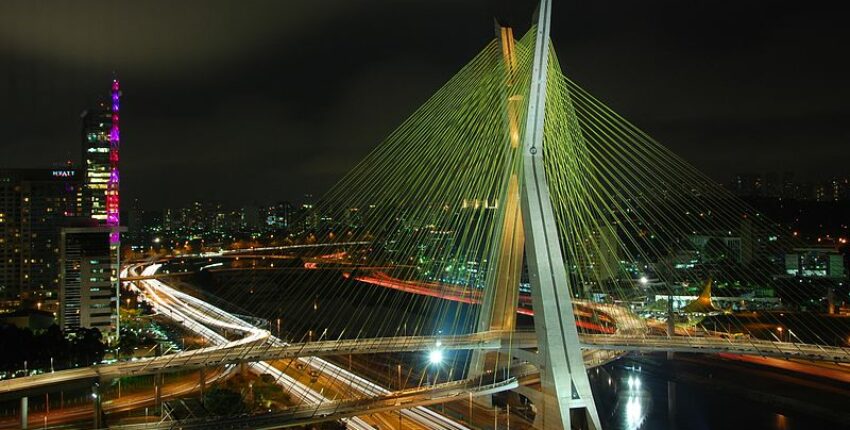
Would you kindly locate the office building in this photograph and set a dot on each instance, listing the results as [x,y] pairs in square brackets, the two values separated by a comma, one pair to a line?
[89,290]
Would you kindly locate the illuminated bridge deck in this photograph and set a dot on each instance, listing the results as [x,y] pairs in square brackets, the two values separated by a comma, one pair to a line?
[263,351]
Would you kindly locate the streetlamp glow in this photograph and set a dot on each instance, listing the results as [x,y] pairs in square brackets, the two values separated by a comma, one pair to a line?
[435,357]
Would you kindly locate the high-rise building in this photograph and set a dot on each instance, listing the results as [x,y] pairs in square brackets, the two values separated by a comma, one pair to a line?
[89,280]
[34,205]
[101,140]
[95,161]
[90,253]
[280,215]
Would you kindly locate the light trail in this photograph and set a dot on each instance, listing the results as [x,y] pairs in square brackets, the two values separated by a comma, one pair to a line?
[454,295]
[198,314]
[152,289]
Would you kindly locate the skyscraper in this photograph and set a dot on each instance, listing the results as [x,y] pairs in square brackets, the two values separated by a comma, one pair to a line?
[90,252]
[95,161]
[101,140]
[34,204]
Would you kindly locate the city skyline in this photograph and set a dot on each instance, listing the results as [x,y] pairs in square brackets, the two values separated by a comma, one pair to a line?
[272,114]
[404,215]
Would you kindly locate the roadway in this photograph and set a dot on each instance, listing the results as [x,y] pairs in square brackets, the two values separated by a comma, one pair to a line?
[185,308]
[198,316]
[309,414]
[259,346]
[132,399]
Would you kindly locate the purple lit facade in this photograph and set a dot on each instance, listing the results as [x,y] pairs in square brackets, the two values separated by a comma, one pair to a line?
[112,193]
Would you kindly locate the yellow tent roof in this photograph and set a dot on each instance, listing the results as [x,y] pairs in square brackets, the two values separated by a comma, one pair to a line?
[703,303]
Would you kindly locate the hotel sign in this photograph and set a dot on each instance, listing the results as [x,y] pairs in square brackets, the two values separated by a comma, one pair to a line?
[63,173]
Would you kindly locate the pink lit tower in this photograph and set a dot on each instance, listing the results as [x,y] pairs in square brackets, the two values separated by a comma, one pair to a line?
[112,195]
[101,142]
[83,305]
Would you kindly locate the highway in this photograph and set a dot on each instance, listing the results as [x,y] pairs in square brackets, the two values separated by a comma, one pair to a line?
[185,309]
[132,399]
[199,314]
[256,346]
[308,414]
[260,346]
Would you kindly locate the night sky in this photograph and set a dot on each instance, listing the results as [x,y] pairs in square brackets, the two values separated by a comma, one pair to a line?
[260,101]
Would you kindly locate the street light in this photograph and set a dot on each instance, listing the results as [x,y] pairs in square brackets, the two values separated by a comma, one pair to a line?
[435,357]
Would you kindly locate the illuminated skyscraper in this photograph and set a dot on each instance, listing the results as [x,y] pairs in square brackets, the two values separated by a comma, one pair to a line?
[101,140]
[95,162]
[90,260]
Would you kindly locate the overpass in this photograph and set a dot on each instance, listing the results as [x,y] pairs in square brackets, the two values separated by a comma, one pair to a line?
[335,410]
[263,350]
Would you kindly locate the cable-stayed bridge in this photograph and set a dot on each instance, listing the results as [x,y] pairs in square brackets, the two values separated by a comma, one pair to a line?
[510,174]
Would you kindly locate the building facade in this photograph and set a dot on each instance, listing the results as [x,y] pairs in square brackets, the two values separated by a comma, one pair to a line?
[34,205]
[95,161]
[818,262]
[89,280]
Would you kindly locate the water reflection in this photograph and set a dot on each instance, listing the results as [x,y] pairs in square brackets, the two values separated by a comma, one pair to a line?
[636,401]
[633,396]
[781,422]
[634,413]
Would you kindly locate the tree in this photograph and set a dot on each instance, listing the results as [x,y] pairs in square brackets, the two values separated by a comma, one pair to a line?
[87,347]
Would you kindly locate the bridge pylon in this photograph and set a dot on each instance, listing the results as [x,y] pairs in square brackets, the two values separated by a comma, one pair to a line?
[528,221]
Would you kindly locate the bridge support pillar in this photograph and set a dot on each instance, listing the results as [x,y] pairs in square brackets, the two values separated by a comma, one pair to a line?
[25,413]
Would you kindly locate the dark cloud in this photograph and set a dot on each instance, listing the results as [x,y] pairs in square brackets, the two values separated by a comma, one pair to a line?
[266,100]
